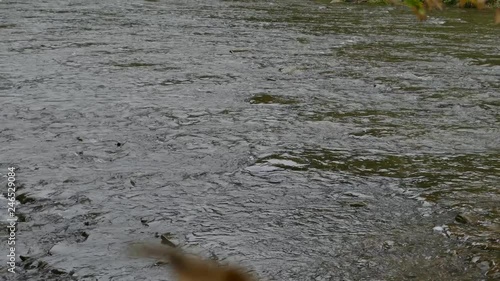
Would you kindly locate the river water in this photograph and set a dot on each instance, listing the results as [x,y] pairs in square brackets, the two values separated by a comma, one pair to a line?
[303,140]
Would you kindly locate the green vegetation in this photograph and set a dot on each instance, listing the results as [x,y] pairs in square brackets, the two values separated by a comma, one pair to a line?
[422,7]
[264,98]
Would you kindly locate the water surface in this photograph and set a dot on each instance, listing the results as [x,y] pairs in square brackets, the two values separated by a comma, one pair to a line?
[301,139]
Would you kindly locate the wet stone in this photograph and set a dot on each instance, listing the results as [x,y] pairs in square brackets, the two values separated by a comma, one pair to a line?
[464,218]
[25,198]
[147,219]
[484,266]
[388,244]
[57,271]
[167,239]
[357,204]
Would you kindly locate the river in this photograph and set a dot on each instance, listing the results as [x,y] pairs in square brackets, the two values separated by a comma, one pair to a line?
[301,139]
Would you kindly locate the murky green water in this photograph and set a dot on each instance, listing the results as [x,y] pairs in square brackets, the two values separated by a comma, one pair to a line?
[301,139]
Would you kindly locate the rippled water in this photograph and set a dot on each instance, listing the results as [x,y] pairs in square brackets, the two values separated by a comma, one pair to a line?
[301,139]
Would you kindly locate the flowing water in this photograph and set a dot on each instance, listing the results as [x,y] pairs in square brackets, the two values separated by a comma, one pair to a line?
[303,140]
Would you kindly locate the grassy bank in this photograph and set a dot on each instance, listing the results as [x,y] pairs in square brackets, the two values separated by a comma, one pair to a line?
[489,3]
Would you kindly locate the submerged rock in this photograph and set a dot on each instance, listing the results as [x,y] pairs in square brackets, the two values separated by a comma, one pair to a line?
[465,218]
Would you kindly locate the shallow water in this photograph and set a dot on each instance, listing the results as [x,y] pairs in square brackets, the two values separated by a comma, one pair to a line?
[303,140]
